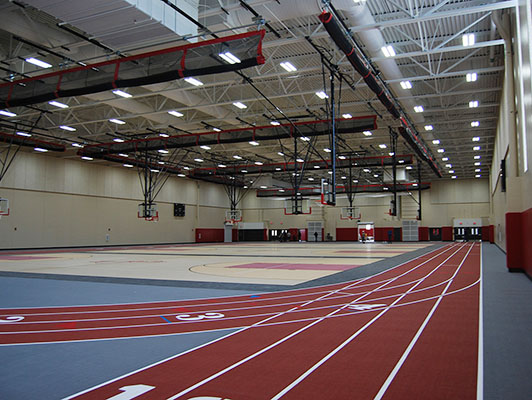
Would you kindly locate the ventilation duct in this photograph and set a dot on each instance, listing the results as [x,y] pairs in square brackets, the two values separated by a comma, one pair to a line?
[143,69]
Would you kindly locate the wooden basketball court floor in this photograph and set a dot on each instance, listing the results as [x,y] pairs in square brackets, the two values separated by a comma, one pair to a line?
[69,322]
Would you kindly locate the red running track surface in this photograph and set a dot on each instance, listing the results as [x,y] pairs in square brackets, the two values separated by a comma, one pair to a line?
[409,332]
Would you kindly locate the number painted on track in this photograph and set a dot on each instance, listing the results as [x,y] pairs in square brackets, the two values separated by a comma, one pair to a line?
[209,315]
[131,391]
[12,319]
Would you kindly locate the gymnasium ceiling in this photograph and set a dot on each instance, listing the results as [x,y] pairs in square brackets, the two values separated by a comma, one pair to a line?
[426,35]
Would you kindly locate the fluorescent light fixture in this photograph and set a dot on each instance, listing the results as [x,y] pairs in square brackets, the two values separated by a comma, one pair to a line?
[287,65]
[205,147]
[453,177]
[367,133]
[375,175]
[476,148]
[391,153]
[77,145]
[122,154]
[347,116]
[40,149]
[259,163]
[24,134]
[229,57]
[175,113]
[198,159]
[445,159]
[327,150]
[118,140]
[117,121]
[281,190]
[316,167]
[471,77]
[474,124]
[155,170]
[240,105]
[310,179]
[477,164]
[222,166]
[164,135]
[87,158]
[477,157]
[477,170]
[194,81]
[263,187]
[237,157]
[128,165]
[254,143]
[436,141]
[322,95]
[67,128]
[406,84]
[355,180]
[448,165]
[382,146]
[388,51]
[57,104]
[401,161]
[429,127]
[419,109]
[186,168]
[473,104]
[476,139]
[163,151]
[278,168]
[181,175]
[414,184]
[280,153]
[305,138]
[344,177]
[468,39]
[275,123]
[408,167]
[367,170]
[342,157]
[441,150]
[122,93]
[329,172]
[7,113]
[244,171]
[300,160]
[478,176]
[161,162]
[39,63]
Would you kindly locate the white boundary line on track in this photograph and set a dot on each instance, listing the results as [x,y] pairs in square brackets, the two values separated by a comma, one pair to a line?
[448,246]
[480,361]
[257,353]
[328,293]
[351,338]
[247,326]
[196,348]
[414,340]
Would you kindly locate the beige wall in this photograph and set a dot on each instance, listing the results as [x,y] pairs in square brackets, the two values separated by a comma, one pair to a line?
[60,202]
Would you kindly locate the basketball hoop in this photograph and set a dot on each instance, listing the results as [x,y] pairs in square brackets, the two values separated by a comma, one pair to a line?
[349,213]
[233,217]
[148,212]
[4,207]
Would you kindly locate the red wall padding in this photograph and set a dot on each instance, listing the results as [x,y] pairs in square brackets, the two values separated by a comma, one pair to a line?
[235,235]
[526,236]
[485,233]
[423,233]
[211,235]
[346,234]
[492,234]
[381,234]
[514,241]
[447,233]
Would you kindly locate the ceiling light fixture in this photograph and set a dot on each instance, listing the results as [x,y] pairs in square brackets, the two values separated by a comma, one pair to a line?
[128,165]
[216,129]
[406,84]
[229,57]
[237,157]
[118,140]
[117,121]
[254,143]
[436,141]
[240,105]
[198,159]
[473,104]
[475,139]
[67,128]
[87,158]
[275,123]
[175,113]
[367,133]
[382,146]
[471,77]
[24,134]
[39,63]
[121,93]
[429,127]
[7,113]
[347,116]
[327,150]
[419,109]
[322,95]
[388,51]
[468,39]
[58,104]
[205,147]
[194,81]
[40,149]
[476,148]
[287,65]
[474,124]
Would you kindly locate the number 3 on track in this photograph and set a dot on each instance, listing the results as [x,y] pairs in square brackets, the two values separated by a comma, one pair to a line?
[209,315]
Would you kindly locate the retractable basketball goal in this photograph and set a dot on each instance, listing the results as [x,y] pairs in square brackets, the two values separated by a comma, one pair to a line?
[349,213]
[233,217]
[148,212]
[4,207]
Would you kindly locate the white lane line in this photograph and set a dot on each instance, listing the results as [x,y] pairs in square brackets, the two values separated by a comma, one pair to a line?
[282,340]
[188,351]
[414,340]
[480,361]
[352,337]
[441,249]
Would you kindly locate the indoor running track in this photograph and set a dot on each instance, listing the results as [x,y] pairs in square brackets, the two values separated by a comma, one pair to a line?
[412,331]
